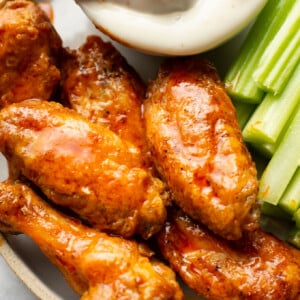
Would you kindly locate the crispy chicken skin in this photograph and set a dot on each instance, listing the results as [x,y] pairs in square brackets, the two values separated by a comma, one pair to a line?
[98,83]
[28,54]
[95,265]
[258,266]
[83,166]
[197,147]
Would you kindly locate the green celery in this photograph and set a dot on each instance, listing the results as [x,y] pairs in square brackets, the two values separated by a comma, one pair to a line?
[243,112]
[279,227]
[281,55]
[282,165]
[294,237]
[290,200]
[274,211]
[266,149]
[296,218]
[238,80]
[270,117]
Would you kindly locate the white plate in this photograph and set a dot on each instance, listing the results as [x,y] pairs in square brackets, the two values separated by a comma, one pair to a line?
[30,265]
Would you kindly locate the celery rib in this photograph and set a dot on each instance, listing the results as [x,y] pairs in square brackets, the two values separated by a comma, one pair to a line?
[270,117]
[290,201]
[277,78]
[243,112]
[296,218]
[281,55]
[282,165]
[266,149]
[238,80]
[274,211]
[294,237]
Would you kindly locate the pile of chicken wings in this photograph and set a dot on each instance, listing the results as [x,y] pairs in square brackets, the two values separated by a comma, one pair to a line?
[124,184]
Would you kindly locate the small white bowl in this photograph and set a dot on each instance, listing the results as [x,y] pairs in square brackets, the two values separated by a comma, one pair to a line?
[168,27]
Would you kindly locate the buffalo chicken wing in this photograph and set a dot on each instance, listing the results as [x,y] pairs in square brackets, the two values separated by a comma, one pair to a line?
[95,265]
[99,84]
[258,266]
[198,149]
[29,50]
[83,166]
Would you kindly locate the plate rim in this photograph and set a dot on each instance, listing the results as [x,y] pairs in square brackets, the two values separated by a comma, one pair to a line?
[24,273]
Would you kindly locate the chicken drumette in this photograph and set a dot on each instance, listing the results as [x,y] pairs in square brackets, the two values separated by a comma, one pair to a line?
[198,148]
[99,84]
[28,53]
[95,265]
[83,166]
[258,266]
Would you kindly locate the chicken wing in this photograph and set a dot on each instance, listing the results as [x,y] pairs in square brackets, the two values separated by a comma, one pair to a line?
[28,54]
[197,147]
[95,265]
[83,166]
[258,266]
[99,84]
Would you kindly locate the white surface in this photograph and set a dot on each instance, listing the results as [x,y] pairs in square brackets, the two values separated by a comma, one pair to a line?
[73,26]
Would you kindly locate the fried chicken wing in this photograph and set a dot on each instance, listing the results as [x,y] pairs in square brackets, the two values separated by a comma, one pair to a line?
[258,266]
[95,265]
[99,84]
[28,54]
[83,166]
[197,147]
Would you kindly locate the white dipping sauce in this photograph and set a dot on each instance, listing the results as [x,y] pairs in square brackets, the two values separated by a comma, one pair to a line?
[169,27]
[156,6]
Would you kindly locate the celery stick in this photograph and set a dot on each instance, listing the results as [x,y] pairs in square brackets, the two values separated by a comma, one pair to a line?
[270,117]
[266,149]
[294,237]
[243,112]
[290,201]
[282,165]
[274,211]
[296,218]
[278,227]
[238,80]
[281,55]
[276,80]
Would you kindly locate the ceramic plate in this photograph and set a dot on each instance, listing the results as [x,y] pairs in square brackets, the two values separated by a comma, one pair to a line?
[20,253]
